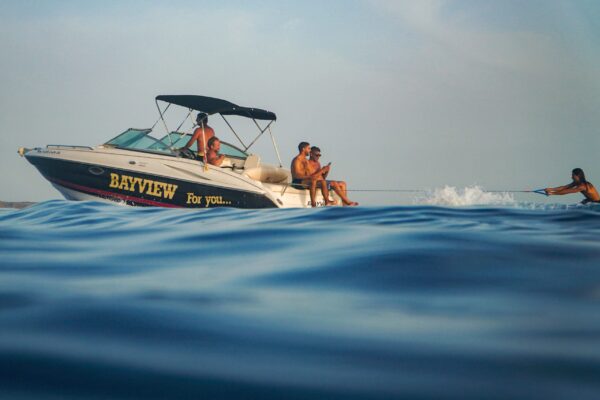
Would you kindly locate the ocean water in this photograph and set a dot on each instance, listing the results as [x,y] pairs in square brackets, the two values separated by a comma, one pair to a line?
[494,299]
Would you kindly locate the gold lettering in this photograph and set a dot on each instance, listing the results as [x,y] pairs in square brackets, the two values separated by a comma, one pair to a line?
[193,199]
[114,180]
[124,185]
[135,181]
[142,185]
[215,200]
[169,190]
[131,183]
[154,189]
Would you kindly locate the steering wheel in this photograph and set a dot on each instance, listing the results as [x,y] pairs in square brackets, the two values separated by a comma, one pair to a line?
[185,152]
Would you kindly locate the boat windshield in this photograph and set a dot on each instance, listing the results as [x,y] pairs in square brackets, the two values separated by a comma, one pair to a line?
[181,139]
[139,139]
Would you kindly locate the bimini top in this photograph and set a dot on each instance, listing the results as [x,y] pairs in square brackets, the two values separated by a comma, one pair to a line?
[211,105]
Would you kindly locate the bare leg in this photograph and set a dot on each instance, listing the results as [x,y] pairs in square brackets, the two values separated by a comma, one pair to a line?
[325,193]
[313,192]
[344,188]
[340,189]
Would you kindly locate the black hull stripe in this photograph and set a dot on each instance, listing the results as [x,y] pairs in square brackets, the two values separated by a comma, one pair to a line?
[111,195]
[80,177]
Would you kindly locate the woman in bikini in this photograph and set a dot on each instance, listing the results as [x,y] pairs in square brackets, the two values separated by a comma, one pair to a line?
[579,184]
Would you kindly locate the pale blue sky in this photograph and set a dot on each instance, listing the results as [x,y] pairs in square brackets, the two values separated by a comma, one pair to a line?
[406,94]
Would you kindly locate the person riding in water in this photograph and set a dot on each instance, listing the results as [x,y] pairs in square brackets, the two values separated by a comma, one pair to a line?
[579,185]
[202,133]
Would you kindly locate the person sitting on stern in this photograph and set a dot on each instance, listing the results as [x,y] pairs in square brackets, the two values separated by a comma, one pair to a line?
[303,178]
[201,121]
[579,184]
[338,187]
[212,155]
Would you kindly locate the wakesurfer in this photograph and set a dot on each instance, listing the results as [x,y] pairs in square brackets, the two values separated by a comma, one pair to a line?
[579,185]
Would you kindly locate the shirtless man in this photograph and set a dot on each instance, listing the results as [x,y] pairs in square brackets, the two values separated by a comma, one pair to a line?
[302,177]
[212,155]
[338,186]
[201,121]
[579,184]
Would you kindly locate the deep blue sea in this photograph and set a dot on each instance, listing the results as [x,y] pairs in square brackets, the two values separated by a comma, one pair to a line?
[101,301]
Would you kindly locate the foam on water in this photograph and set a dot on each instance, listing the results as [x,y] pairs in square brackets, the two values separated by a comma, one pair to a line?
[468,196]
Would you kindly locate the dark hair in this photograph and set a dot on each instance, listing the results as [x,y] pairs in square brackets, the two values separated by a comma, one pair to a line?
[302,145]
[202,117]
[578,172]
[315,148]
[212,141]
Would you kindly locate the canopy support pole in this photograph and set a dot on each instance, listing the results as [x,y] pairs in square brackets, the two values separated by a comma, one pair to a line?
[184,119]
[163,120]
[232,130]
[191,120]
[275,146]
[164,111]
[204,157]
[182,122]
[260,134]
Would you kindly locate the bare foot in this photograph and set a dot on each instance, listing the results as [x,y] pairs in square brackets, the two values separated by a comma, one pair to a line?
[351,204]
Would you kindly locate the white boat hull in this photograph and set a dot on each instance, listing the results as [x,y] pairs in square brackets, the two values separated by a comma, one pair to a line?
[140,179]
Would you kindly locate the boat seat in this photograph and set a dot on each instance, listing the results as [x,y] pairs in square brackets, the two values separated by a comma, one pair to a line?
[252,161]
[268,174]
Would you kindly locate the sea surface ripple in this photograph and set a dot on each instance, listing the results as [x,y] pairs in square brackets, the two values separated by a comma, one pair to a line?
[419,302]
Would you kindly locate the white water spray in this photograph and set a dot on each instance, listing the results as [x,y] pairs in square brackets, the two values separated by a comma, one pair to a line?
[469,196]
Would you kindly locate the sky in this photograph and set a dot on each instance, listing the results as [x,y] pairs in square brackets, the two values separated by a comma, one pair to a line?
[397,94]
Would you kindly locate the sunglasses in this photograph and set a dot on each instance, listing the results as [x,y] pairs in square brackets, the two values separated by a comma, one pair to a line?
[317,155]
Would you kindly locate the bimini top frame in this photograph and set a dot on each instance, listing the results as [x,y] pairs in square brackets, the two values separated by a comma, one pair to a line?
[211,105]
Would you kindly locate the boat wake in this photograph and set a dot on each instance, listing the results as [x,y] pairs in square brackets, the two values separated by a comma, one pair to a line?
[468,196]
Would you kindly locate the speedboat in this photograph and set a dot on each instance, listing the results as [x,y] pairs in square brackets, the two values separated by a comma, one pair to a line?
[140,169]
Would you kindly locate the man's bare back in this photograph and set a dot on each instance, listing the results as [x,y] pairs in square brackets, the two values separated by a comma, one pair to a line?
[197,138]
[202,134]
[300,168]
